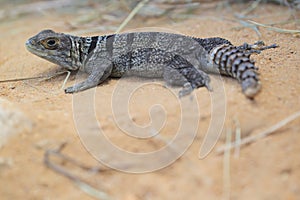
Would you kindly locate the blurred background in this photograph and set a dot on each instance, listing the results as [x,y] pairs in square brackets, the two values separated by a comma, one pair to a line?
[101,15]
[268,168]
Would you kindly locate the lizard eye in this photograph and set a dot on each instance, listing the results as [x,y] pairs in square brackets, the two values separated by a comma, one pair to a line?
[51,43]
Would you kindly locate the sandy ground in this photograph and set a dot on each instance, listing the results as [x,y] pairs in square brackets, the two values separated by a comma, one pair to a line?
[266,169]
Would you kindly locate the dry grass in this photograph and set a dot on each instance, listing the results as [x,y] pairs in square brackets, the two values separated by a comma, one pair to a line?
[260,135]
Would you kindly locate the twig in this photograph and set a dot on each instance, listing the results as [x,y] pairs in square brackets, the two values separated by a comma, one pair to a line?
[280,30]
[131,15]
[248,25]
[66,79]
[21,79]
[261,135]
[35,77]
[249,9]
[237,138]
[80,183]
[284,22]
[41,77]
[226,168]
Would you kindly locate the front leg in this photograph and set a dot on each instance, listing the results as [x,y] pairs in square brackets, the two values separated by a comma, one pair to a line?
[99,72]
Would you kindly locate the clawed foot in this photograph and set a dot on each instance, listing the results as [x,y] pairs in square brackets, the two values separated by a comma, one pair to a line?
[81,86]
[257,47]
[207,85]
[70,90]
[187,89]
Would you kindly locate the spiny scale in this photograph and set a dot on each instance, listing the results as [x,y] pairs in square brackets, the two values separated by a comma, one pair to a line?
[235,62]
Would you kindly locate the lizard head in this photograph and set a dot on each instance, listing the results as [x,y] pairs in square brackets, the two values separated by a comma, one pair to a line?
[54,47]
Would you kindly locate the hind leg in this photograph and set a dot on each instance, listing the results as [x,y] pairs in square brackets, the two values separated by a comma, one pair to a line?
[182,73]
[174,78]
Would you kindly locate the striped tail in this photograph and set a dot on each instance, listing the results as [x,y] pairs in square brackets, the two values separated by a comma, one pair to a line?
[235,62]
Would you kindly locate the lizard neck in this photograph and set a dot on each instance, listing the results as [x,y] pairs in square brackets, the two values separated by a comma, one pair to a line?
[77,51]
[82,47]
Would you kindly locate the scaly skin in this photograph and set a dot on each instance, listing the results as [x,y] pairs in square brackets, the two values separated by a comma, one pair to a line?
[180,60]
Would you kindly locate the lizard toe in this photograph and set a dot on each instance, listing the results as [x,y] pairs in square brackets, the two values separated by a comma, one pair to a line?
[69,90]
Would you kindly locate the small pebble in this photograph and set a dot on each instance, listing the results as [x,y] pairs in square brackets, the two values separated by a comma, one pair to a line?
[6,162]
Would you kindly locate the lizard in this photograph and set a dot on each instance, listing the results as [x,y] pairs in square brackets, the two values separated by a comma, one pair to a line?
[180,60]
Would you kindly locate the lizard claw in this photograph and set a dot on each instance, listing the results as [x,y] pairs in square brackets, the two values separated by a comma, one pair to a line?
[187,89]
[69,90]
[257,47]
[208,86]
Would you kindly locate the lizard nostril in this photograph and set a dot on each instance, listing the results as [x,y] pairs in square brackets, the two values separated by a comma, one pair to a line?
[28,43]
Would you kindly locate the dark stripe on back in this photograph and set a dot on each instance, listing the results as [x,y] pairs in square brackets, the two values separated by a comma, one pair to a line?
[130,37]
[80,50]
[93,44]
[130,40]
[71,49]
[109,43]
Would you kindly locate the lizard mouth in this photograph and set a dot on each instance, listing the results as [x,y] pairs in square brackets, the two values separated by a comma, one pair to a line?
[31,48]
